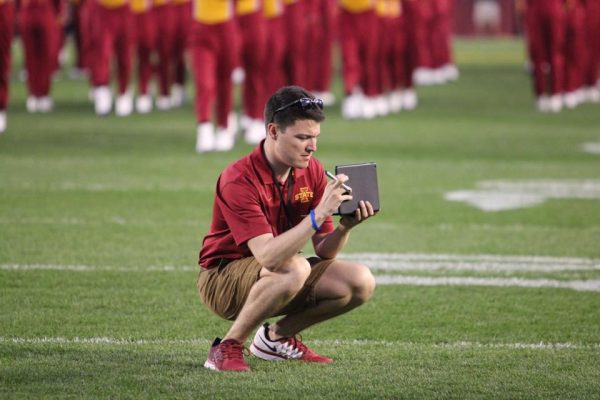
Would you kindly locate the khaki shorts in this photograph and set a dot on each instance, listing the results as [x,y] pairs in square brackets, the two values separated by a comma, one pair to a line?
[224,289]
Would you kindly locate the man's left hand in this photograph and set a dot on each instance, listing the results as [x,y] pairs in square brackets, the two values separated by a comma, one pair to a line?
[362,213]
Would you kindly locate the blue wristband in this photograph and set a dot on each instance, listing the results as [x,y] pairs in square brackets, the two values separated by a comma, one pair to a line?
[313,220]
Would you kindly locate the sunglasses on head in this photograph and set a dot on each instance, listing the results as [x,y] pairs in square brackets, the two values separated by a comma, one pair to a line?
[305,103]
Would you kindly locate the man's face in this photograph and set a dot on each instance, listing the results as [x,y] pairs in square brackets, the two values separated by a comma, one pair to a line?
[295,145]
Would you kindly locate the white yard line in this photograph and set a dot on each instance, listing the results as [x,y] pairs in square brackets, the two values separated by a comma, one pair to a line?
[382,262]
[507,195]
[581,286]
[107,186]
[116,220]
[386,262]
[592,147]
[322,342]
[479,263]
[93,268]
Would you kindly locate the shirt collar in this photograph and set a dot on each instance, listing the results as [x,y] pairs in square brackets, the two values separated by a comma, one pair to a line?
[264,169]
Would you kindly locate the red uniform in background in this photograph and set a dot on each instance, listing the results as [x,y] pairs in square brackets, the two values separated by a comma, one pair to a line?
[413,28]
[164,18]
[320,33]
[575,52]
[545,25]
[398,54]
[215,50]
[253,31]
[181,33]
[592,66]
[440,33]
[276,43]
[61,20]
[393,44]
[7,23]
[39,28]
[112,34]
[412,24]
[358,34]
[145,43]
[443,61]
[80,24]
[421,19]
[84,34]
[384,60]
[294,16]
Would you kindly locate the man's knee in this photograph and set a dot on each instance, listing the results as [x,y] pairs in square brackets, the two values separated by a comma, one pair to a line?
[362,284]
[292,276]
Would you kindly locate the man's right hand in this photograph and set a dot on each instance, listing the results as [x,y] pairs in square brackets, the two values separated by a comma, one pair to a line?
[333,196]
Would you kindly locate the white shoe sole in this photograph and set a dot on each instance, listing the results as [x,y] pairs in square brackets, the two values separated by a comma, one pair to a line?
[210,365]
[256,351]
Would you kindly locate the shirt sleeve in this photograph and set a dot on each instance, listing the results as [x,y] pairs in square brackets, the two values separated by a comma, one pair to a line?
[242,210]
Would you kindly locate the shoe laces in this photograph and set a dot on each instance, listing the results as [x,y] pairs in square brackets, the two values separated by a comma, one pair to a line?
[295,342]
[233,350]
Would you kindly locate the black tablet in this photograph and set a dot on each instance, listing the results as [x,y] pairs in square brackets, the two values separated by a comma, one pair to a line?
[362,178]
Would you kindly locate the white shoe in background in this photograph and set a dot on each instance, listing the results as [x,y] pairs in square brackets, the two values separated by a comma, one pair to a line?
[556,103]
[163,103]
[423,76]
[451,72]
[382,106]
[102,100]
[395,101]
[592,94]
[245,122]
[45,104]
[2,121]
[224,139]
[409,99]
[31,104]
[439,76]
[255,132]
[369,107]
[143,104]
[177,95]
[233,125]
[542,103]
[238,75]
[124,104]
[581,96]
[205,137]
[327,97]
[352,105]
[349,108]
[571,100]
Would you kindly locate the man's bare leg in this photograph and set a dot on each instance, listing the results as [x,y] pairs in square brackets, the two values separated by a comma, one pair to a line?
[343,286]
[268,295]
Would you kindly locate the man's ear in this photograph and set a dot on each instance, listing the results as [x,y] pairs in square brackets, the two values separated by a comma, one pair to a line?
[272,130]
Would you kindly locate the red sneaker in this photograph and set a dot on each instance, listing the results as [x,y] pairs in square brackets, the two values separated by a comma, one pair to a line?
[227,355]
[290,348]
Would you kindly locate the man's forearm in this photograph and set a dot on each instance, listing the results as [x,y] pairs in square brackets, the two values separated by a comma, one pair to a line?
[275,251]
[333,243]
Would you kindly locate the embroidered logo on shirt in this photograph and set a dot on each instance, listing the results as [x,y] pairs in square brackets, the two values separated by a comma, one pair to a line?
[304,196]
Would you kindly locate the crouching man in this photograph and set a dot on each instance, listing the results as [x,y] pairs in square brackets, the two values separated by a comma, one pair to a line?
[268,205]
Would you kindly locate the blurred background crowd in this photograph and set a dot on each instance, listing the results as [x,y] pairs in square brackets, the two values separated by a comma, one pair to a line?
[138,54]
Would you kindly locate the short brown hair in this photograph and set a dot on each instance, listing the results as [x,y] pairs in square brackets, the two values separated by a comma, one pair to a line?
[289,115]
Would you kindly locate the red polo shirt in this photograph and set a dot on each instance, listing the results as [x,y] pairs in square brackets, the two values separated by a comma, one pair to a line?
[248,204]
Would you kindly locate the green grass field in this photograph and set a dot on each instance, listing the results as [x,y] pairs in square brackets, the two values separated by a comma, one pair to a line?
[101,221]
